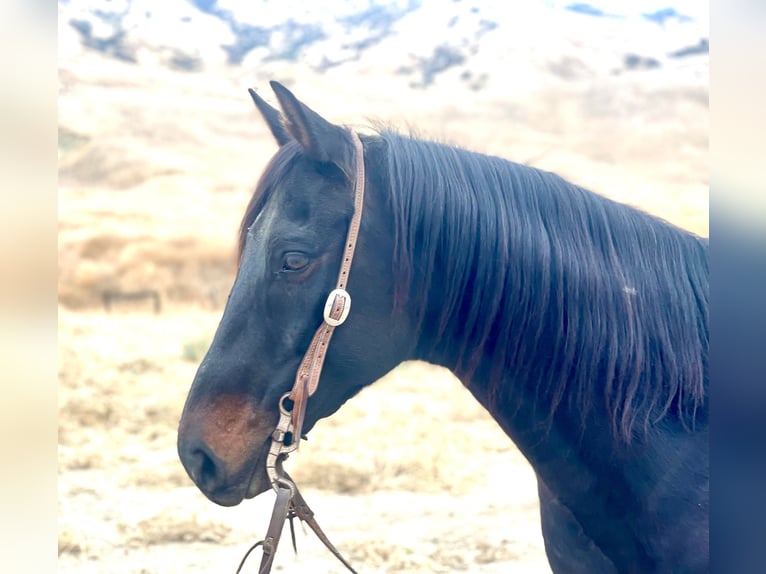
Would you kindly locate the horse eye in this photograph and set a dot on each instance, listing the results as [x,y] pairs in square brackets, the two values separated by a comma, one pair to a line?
[295,261]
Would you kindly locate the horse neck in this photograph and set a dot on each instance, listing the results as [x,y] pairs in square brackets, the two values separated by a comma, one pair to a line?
[499,332]
[541,295]
[531,288]
[551,440]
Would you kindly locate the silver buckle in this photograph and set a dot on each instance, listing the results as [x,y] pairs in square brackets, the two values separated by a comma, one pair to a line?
[330,303]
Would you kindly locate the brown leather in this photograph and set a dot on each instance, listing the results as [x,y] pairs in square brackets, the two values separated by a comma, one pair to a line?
[307,377]
[290,503]
[301,509]
[278,516]
[270,543]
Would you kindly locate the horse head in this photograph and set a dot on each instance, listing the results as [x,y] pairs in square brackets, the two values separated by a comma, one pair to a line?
[291,244]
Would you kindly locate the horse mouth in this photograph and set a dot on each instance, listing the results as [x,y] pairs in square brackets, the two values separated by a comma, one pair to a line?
[259,480]
[250,486]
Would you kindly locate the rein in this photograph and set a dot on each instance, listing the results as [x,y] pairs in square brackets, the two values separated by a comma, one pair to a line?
[287,435]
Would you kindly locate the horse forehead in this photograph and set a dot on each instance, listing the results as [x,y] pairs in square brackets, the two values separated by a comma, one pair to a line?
[263,224]
[299,198]
[278,215]
[282,193]
[295,196]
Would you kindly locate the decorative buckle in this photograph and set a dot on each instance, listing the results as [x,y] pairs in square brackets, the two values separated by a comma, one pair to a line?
[330,304]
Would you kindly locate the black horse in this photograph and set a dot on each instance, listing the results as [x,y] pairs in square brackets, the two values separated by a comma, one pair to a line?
[579,323]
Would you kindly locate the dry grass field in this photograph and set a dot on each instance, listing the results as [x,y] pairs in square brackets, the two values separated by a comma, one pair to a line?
[156,167]
[436,488]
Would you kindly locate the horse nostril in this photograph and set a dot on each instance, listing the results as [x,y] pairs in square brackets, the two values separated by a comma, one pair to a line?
[207,469]
[203,467]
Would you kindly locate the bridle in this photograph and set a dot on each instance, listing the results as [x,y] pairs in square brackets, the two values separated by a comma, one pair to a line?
[287,435]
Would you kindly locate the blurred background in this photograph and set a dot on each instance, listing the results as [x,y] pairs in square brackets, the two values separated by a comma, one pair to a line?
[159,148]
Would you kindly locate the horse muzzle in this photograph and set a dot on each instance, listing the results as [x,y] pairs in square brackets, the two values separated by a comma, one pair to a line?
[223,447]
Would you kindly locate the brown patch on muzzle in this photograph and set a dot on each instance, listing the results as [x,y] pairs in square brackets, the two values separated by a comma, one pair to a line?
[222,444]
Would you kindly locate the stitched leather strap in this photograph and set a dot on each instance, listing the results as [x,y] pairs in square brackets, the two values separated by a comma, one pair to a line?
[289,501]
[307,377]
[288,505]
[302,511]
[278,516]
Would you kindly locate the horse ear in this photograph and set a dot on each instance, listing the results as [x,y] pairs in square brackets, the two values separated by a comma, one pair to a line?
[320,139]
[273,118]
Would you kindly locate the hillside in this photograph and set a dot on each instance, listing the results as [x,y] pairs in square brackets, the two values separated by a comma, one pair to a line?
[159,146]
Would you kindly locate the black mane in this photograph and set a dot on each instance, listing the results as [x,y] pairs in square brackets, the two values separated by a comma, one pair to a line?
[590,299]
[596,302]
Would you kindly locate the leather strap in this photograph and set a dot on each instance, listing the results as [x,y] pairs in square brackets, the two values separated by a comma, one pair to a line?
[290,503]
[336,309]
[302,511]
[278,516]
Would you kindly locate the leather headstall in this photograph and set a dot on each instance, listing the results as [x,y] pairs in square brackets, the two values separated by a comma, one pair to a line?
[286,436]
